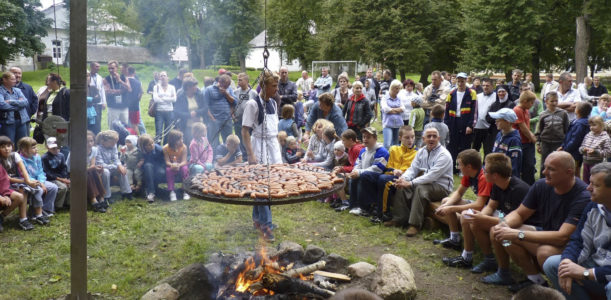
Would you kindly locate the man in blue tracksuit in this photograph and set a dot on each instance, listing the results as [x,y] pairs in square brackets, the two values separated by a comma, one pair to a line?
[461,105]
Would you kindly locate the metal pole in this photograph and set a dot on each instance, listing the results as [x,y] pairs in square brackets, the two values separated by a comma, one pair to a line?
[78,150]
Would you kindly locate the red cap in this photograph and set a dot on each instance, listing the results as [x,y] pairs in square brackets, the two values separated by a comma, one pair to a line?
[222,71]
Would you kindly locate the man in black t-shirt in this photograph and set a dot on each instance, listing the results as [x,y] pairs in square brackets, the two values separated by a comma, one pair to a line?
[556,202]
[506,195]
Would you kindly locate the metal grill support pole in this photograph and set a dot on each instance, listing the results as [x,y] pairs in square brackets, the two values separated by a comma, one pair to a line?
[78,150]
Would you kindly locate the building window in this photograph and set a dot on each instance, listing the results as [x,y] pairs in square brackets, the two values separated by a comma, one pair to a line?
[57,49]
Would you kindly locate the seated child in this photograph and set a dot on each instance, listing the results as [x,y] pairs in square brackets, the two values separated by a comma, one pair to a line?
[54,164]
[400,158]
[437,113]
[10,199]
[293,153]
[316,147]
[287,122]
[33,165]
[200,149]
[132,159]
[108,158]
[154,165]
[282,136]
[349,139]
[595,147]
[329,137]
[228,154]
[577,131]
[95,186]
[175,155]
[416,121]
[20,180]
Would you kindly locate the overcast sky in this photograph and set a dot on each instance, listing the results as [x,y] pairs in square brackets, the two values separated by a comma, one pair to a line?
[47,3]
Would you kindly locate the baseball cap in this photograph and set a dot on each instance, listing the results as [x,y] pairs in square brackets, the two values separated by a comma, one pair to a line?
[51,142]
[506,114]
[222,71]
[369,130]
[339,146]
[461,75]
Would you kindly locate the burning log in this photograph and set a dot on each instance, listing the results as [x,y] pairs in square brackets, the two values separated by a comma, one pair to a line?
[305,270]
[283,284]
[336,276]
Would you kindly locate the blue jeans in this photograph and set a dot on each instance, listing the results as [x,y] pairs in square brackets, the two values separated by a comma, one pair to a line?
[14,131]
[153,175]
[163,119]
[528,163]
[391,137]
[219,127]
[262,215]
[577,291]
[363,190]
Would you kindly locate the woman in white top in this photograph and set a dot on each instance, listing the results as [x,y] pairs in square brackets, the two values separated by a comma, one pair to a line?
[342,94]
[164,96]
[406,95]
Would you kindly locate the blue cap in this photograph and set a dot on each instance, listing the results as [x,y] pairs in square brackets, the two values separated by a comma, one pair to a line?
[462,75]
[506,114]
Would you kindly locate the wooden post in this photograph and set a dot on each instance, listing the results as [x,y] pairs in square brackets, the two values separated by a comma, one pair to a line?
[78,150]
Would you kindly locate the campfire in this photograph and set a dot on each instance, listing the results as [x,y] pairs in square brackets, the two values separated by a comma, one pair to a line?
[265,275]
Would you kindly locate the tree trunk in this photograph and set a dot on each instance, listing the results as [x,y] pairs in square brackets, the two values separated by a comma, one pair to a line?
[402,73]
[582,41]
[536,67]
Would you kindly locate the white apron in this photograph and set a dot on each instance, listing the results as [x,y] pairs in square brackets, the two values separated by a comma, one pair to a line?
[270,143]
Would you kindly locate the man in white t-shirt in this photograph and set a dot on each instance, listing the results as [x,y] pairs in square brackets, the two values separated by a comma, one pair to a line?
[484,101]
[567,95]
[304,82]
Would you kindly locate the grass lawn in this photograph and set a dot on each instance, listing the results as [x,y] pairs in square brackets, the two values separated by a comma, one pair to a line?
[135,245]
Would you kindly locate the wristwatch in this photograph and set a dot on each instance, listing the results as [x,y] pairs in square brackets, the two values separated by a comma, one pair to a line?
[586,274]
[521,235]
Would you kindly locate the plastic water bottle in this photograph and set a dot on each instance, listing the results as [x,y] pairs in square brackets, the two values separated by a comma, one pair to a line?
[505,243]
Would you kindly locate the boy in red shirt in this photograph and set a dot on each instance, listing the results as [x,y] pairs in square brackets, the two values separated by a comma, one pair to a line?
[349,139]
[470,164]
[526,101]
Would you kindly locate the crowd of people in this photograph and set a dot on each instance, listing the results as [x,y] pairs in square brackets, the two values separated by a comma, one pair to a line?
[559,224]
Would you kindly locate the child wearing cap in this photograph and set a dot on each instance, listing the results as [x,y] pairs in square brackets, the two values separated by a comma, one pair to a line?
[370,164]
[508,139]
[553,126]
[132,159]
[416,121]
[56,169]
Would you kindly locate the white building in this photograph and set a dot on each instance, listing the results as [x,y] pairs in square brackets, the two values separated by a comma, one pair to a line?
[57,41]
[277,57]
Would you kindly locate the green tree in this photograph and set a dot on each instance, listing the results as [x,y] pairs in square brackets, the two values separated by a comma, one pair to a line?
[21,28]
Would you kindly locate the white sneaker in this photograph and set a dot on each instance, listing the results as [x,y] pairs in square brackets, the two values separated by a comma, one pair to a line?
[172,196]
[150,198]
[185,196]
[356,211]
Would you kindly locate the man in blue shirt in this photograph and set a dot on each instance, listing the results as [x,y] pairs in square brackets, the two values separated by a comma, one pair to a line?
[584,268]
[220,99]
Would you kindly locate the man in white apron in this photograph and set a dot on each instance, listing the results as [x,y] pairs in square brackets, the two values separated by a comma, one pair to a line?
[260,116]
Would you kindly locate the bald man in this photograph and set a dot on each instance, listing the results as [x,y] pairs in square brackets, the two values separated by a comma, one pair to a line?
[556,204]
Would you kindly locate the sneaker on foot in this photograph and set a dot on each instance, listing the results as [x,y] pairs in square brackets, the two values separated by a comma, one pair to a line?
[98,207]
[375,220]
[342,208]
[449,243]
[412,231]
[457,262]
[498,279]
[356,211]
[26,225]
[47,214]
[268,235]
[185,196]
[487,265]
[172,196]
[41,220]
[150,198]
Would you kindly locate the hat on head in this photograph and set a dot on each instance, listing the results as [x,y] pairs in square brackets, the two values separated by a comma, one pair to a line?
[369,130]
[222,71]
[506,114]
[417,99]
[339,146]
[462,75]
[51,142]
[502,87]
[132,139]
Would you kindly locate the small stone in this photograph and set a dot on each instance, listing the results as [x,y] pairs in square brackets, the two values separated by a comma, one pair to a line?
[393,279]
[161,292]
[361,269]
[192,282]
[335,263]
[313,254]
[290,251]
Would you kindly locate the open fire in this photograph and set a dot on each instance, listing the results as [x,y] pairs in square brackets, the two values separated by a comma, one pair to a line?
[264,275]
